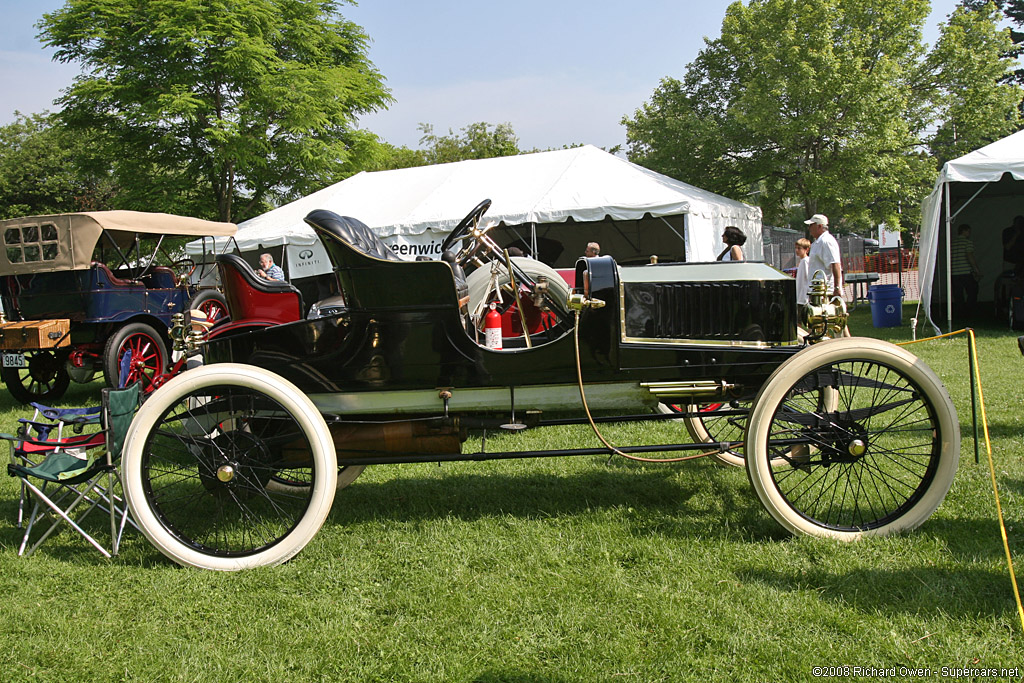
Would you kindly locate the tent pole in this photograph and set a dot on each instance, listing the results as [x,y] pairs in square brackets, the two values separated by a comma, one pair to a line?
[533,241]
[949,265]
[949,270]
[968,202]
[681,238]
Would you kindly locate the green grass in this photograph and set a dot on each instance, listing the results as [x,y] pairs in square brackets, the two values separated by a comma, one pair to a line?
[563,569]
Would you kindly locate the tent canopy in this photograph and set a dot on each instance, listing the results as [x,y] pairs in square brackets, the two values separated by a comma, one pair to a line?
[981,189]
[582,185]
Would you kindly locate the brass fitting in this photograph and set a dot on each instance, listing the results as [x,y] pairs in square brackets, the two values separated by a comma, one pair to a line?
[177,331]
[822,315]
[577,302]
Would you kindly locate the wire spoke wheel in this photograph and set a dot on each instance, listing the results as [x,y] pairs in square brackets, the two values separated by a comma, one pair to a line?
[300,478]
[202,455]
[715,423]
[852,437]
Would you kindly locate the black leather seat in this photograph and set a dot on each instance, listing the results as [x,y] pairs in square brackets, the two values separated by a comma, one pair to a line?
[357,234]
[352,232]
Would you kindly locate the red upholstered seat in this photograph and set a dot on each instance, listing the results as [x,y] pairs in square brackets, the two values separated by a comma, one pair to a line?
[252,297]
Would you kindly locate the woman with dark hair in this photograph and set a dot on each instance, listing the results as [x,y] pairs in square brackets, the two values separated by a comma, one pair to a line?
[734,239]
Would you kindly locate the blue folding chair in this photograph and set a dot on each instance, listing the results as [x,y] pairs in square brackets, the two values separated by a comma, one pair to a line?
[67,460]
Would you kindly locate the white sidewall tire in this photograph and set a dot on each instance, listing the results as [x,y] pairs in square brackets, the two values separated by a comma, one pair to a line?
[698,432]
[477,282]
[346,475]
[302,411]
[838,350]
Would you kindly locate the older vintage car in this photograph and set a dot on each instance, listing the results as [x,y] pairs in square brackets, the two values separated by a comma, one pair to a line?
[83,292]
[236,464]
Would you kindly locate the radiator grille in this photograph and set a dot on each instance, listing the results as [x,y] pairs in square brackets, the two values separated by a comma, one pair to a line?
[747,310]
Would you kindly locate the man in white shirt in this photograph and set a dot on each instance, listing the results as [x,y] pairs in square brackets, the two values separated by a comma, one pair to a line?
[824,255]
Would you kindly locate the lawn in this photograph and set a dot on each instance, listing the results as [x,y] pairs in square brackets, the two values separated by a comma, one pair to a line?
[560,569]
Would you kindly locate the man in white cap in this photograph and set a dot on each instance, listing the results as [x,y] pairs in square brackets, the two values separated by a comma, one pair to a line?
[824,255]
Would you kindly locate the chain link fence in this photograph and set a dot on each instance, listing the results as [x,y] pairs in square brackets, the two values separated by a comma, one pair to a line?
[859,256]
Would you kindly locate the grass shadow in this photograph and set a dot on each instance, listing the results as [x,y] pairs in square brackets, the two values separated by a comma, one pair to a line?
[676,502]
[959,592]
[520,677]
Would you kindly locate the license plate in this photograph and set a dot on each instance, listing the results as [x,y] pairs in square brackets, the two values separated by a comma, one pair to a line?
[14,360]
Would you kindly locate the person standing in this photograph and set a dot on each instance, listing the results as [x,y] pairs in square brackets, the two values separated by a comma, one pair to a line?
[824,255]
[802,247]
[963,269]
[593,249]
[269,270]
[1013,246]
[734,240]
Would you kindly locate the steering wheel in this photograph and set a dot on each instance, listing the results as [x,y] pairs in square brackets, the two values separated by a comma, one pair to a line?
[184,268]
[464,227]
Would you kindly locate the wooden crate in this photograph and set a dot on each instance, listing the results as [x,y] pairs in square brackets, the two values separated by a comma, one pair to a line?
[35,334]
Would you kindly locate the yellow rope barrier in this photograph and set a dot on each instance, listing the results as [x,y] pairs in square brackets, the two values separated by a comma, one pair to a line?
[939,336]
[991,462]
[984,423]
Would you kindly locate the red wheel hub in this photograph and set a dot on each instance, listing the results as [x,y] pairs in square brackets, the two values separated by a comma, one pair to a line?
[146,362]
[214,310]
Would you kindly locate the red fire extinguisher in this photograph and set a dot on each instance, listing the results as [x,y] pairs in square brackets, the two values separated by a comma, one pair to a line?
[492,328]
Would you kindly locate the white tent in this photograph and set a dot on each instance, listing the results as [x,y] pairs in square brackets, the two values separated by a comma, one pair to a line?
[973,190]
[540,195]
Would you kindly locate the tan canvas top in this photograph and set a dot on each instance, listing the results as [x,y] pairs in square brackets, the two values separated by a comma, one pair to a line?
[39,244]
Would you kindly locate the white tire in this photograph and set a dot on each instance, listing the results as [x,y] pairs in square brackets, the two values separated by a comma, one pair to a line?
[709,428]
[868,437]
[199,454]
[300,480]
[479,280]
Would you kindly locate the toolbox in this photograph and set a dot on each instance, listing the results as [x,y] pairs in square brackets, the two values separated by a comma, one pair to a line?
[35,334]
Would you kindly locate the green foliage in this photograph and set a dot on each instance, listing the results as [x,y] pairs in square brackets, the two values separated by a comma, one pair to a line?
[390,157]
[972,50]
[218,107]
[827,103]
[476,141]
[45,169]
[1014,11]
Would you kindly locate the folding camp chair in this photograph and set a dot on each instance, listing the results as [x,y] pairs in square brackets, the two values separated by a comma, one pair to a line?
[73,454]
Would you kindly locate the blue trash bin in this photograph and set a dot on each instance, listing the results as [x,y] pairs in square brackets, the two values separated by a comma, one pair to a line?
[886,305]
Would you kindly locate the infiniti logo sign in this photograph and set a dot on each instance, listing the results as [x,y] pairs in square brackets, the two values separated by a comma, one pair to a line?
[305,254]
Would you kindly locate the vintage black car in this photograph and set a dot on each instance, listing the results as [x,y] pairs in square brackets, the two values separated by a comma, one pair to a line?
[236,464]
[84,293]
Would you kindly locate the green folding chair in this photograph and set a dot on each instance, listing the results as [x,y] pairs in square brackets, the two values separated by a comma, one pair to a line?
[68,466]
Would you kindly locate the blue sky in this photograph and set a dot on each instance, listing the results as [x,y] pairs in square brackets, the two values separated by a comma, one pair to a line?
[560,71]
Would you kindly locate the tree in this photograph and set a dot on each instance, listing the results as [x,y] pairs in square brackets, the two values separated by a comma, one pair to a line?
[390,157]
[972,85]
[217,107]
[1014,11]
[45,169]
[823,102]
[476,141]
